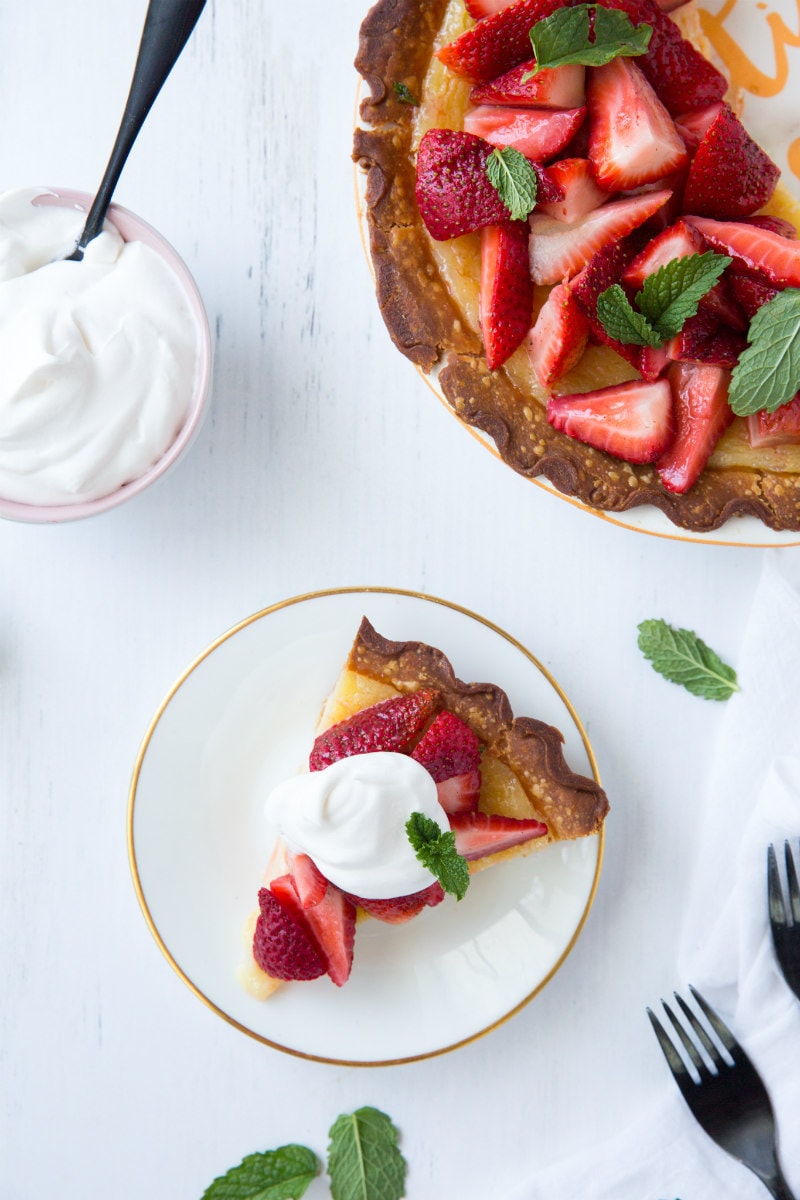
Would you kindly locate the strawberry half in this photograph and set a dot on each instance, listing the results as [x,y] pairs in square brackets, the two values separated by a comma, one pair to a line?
[283,944]
[760,250]
[559,250]
[581,194]
[632,421]
[506,290]
[693,126]
[780,428]
[485,8]
[605,268]
[730,175]
[702,415]
[451,753]
[391,725]
[751,293]
[453,191]
[559,335]
[309,881]
[537,133]
[479,834]
[552,87]
[632,138]
[333,923]
[498,42]
[400,909]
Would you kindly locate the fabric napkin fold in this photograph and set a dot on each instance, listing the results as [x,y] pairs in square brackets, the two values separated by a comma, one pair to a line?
[752,799]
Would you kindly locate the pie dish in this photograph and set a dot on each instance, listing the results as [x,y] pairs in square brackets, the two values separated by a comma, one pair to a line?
[428,295]
[198,841]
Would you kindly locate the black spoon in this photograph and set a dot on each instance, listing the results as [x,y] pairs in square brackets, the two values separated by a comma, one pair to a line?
[167,26]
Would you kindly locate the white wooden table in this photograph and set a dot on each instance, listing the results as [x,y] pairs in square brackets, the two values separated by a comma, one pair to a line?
[325,462]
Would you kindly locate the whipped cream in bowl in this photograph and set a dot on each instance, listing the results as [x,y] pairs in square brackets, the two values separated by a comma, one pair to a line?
[107,362]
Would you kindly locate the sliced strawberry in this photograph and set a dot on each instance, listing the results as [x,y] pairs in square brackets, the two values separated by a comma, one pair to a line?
[730,175]
[581,193]
[283,944]
[448,747]
[670,5]
[559,250]
[693,126]
[653,362]
[750,293]
[309,881]
[538,133]
[479,834]
[780,428]
[721,349]
[632,138]
[392,725]
[632,421]
[678,241]
[485,8]
[702,416]
[694,334]
[559,335]
[552,87]
[453,191]
[606,268]
[506,290]
[402,908]
[460,793]
[498,42]
[758,250]
[775,224]
[333,923]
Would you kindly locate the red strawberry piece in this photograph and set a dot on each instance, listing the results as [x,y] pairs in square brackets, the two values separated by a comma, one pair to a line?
[479,834]
[333,923]
[309,881]
[283,945]
[552,87]
[537,133]
[448,747]
[402,908]
[498,42]
[460,793]
[775,224]
[678,241]
[695,332]
[682,78]
[780,428]
[559,250]
[632,138]
[653,362]
[581,193]
[559,335]
[604,269]
[722,349]
[693,126]
[760,251]
[391,725]
[730,175]
[632,421]
[670,5]
[750,293]
[702,415]
[485,8]
[453,191]
[506,290]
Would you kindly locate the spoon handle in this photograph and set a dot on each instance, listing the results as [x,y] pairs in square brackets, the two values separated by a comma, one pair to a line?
[167,27]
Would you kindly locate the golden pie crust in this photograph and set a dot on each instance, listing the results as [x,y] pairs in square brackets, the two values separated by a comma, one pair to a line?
[396,45]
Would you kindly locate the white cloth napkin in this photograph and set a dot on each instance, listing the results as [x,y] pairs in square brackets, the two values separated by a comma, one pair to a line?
[753,798]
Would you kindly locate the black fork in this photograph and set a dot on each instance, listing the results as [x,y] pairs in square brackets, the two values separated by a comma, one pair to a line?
[784,916]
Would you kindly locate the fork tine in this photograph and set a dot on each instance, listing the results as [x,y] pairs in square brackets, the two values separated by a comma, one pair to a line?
[710,1047]
[686,1041]
[718,1025]
[794,888]
[777,908]
[674,1060]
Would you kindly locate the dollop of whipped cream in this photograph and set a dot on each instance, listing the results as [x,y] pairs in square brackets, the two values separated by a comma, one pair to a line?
[99,357]
[351,820]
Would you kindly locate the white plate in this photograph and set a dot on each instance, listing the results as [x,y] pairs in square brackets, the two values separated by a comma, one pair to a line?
[240,719]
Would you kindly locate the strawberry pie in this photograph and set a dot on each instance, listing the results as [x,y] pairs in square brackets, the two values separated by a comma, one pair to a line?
[411,768]
[572,229]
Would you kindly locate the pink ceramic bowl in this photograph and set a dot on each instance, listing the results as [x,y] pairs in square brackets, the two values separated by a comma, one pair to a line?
[132,228]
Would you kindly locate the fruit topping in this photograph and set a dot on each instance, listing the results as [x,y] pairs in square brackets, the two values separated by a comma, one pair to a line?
[693,126]
[632,421]
[283,944]
[559,335]
[333,923]
[453,190]
[778,428]
[506,290]
[730,175]
[750,293]
[539,134]
[401,908]
[392,725]
[479,834]
[552,87]
[774,257]
[633,139]
[309,881]
[451,752]
[702,416]
[581,193]
[497,43]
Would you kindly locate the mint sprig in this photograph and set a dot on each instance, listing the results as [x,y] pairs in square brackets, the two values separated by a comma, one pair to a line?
[282,1174]
[767,375]
[364,1162]
[668,298]
[437,851]
[682,657]
[514,180]
[568,36]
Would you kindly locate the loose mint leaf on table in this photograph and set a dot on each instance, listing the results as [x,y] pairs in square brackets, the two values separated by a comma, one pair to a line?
[669,297]
[768,373]
[364,1162]
[682,657]
[437,851]
[404,94]
[567,37]
[282,1174]
[622,321]
[514,180]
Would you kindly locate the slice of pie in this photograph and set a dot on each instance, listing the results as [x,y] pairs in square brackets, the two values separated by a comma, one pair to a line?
[502,310]
[500,782]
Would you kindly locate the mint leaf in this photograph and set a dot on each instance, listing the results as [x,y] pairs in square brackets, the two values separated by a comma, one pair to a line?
[566,37]
[768,372]
[622,321]
[514,180]
[364,1162]
[404,94]
[670,296]
[282,1174]
[437,851]
[682,657]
